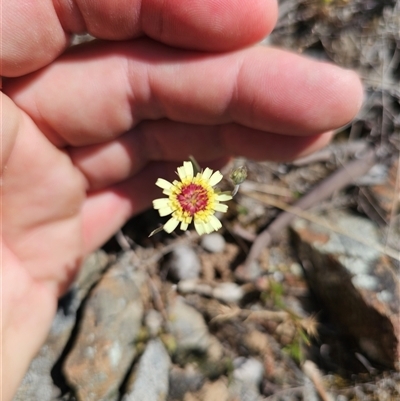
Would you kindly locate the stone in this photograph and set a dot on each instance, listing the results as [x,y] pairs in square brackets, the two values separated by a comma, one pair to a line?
[214,243]
[183,263]
[38,383]
[215,391]
[153,321]
[248,370]
[380,200]
[152,375]
[104,349]
[188,327]
[182,381]
[247,376]
[195,286]
[228,292]
[356,283]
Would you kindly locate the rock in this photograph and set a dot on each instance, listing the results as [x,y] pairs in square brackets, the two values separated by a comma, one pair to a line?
[248,273]
[195,286]
[182,381]
[228,292]
[38,383]
[184,264]
[379,201]
[309,392]
[247,377]
[152,375]
[356,283]
[250,371]
[103,349]
[153,321]
[215,391]
[214,243]
[188,327]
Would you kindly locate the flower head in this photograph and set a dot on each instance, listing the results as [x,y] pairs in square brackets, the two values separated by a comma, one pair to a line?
[193,198]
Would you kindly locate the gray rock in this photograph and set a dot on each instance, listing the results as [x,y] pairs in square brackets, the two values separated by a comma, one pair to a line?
[152,375]
[184,264]
[249,273]
[37,383]
[356,282]
[188,327]
[194,286]
[228,292]
[296,269]
[184,380]
[103,349]
[247,377]
[243,392]
[309,392]
[214,243]
[153,321]
[249,370]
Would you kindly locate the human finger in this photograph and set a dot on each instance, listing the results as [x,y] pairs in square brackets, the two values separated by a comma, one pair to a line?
[163,140]
[201,24]
[80,100]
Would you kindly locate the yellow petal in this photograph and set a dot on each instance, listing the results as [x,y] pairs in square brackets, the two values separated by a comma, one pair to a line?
[160,203]
[224,197]
[181,173]
[185,171]
[165,211]
[215,178]
[184,226]
[164,184]
[207,173]
[219,207]
[188,166]
[208,228]
[199,226]
[215,223]
[170,225]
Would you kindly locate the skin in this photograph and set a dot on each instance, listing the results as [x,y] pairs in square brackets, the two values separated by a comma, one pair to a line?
[87,131]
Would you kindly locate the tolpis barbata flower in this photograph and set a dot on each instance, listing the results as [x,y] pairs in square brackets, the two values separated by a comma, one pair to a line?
[193,198]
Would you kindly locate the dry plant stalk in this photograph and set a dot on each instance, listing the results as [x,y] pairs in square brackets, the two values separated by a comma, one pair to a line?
[318,220]
[338,180]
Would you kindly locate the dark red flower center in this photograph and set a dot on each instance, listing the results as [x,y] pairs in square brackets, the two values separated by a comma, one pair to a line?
[193,198]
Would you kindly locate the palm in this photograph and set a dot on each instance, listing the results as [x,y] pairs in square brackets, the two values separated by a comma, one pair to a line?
[85,138]
[43,198]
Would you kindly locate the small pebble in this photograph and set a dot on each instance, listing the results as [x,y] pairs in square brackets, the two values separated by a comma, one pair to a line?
[296,269]
[228,292]
[384,296]
[184,263]
[153,321]
[214,243]
[248,370]
[278,276]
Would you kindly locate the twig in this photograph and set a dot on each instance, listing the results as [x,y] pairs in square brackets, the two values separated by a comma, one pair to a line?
[293,391]
[339,149]
[311,371]
[123,241]
[317,220]
[265,188]
[338,180]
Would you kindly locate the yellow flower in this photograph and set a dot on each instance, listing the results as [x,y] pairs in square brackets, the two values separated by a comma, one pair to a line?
[192,198]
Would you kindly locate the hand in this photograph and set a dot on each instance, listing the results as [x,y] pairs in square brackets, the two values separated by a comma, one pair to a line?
[87,131]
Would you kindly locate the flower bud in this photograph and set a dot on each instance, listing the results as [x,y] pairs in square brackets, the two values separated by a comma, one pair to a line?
[238,175]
